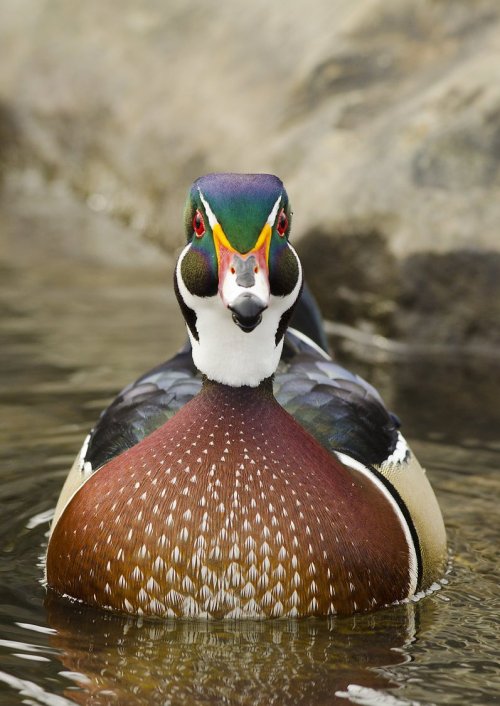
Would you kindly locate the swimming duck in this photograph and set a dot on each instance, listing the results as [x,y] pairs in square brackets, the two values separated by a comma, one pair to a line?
[250,476]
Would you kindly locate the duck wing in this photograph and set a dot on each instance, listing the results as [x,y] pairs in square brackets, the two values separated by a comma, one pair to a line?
[143,406]
[340,409]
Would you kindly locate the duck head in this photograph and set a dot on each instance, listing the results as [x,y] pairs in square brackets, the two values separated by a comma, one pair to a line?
[238,278]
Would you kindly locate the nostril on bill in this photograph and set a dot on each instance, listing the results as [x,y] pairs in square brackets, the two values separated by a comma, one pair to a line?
[245,270]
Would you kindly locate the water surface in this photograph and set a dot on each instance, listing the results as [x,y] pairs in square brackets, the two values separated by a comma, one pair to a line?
[70,339]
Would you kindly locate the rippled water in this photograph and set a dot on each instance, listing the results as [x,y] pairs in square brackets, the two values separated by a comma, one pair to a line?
[68,343]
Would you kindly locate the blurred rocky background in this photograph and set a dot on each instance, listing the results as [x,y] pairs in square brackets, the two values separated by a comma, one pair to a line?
[381,116]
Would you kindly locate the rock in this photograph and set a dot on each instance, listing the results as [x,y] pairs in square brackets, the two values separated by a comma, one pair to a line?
[382,117]
[460,289]
[44,222]
[356,277]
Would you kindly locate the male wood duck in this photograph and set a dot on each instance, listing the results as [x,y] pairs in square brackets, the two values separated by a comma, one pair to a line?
[250,476]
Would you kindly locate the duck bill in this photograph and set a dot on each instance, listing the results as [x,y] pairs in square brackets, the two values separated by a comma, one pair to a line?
[244,279]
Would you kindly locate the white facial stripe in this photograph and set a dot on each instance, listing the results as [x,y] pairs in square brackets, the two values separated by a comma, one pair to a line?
[213,220]
[296,290]
[272,216]
[211,215]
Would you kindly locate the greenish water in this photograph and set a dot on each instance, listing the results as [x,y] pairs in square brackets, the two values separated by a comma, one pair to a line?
[68,343]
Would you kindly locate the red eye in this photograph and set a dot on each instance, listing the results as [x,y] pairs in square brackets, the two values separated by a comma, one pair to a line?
[282,223]
[198,224]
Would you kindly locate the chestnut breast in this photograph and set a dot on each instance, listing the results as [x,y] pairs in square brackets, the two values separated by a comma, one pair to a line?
[230,509]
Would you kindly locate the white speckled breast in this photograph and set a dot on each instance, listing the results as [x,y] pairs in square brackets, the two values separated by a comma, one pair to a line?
[230,510]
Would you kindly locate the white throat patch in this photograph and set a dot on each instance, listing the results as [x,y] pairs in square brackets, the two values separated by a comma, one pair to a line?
[223,352]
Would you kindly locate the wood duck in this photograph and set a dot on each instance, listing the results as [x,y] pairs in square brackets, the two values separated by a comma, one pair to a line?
[250,476]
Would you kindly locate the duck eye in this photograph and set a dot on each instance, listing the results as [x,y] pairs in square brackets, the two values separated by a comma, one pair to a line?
[282,223]
[198,224]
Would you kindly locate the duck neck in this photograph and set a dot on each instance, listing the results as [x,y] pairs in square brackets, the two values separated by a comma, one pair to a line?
[233,357]
[242,394]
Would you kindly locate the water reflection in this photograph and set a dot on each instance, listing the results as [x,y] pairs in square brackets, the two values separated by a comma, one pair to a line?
[130,661]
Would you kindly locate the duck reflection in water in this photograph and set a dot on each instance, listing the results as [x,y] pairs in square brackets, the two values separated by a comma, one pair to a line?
[125,660]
